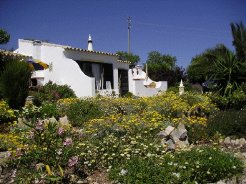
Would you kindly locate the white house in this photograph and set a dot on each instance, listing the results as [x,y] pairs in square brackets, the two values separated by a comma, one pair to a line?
[86,71]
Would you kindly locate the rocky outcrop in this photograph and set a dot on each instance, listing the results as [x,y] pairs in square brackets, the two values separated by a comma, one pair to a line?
[174,137]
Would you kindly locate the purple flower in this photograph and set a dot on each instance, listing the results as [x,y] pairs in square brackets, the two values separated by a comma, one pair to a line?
[73,161]
[18,152]
[67,141]
[60,131]
[39,125]
[31,134]
[8,154]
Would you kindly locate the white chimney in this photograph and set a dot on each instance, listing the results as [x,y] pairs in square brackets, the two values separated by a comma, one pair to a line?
[90,46]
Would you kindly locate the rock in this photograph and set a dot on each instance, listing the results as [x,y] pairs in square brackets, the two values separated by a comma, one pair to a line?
[182,144]
[52,120]
[1,170]
[220,182]
[244,155]
[3,157]
[80,182]
[175,136]
[233,142]
[168,130]
[221,141]
[64,120]
[170,144]
[162,134]
[242,141]
[179,134]
[237,142]
[181,128]
[227,140]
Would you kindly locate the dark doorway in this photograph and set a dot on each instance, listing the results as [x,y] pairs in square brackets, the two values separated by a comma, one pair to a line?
[107,70]
[104,72]
[123,81]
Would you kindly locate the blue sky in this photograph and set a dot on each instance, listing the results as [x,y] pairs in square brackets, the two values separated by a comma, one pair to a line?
[182,28]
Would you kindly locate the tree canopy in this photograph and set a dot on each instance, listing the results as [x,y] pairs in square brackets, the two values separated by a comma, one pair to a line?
[202,66]
[224,68]
[162,67]
[239,40]
[4,37]
[134,59]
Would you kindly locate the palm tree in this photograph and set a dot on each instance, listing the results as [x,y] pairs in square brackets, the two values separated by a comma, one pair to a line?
[239,40]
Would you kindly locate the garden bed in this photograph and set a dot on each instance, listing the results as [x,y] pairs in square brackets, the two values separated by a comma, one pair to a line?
[118,139]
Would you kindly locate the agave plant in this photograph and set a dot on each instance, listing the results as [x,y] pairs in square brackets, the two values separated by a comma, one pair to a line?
[229,72]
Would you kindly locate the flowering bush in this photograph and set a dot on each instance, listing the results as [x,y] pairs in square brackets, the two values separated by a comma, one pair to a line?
[30,111]
[48,152]
[118,135]
[198,165]
[6,113]
[52,92]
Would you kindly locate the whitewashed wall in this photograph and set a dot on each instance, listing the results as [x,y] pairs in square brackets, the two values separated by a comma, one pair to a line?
[63,68]
[137,87]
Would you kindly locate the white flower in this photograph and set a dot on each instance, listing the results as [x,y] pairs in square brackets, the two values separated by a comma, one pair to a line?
[176,174]
[123,172]
[170,163]
[149,155]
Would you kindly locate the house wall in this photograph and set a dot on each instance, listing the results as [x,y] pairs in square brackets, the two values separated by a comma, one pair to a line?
[93,57]
[61,70]
[137,87]
[141,90]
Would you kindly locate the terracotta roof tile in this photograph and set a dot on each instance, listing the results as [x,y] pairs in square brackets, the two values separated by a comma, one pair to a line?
[84,50]
[10,53]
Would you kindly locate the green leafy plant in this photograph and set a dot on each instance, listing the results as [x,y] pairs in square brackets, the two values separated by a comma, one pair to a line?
[81,111]
[14,83]
[228,123]
[49,109]
[198,165]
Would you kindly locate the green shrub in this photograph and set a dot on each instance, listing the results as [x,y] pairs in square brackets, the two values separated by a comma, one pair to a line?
[30,111]
[128,95]
[14,83]
[48,110]
[198,133]
[236,100]
[199,165]
[52,92]
[174,89]
[81,111]
[228,123]
[221,102]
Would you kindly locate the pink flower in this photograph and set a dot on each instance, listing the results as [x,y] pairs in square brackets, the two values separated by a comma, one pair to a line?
[68,141]
[60,131]
[39,125]
[73,161]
